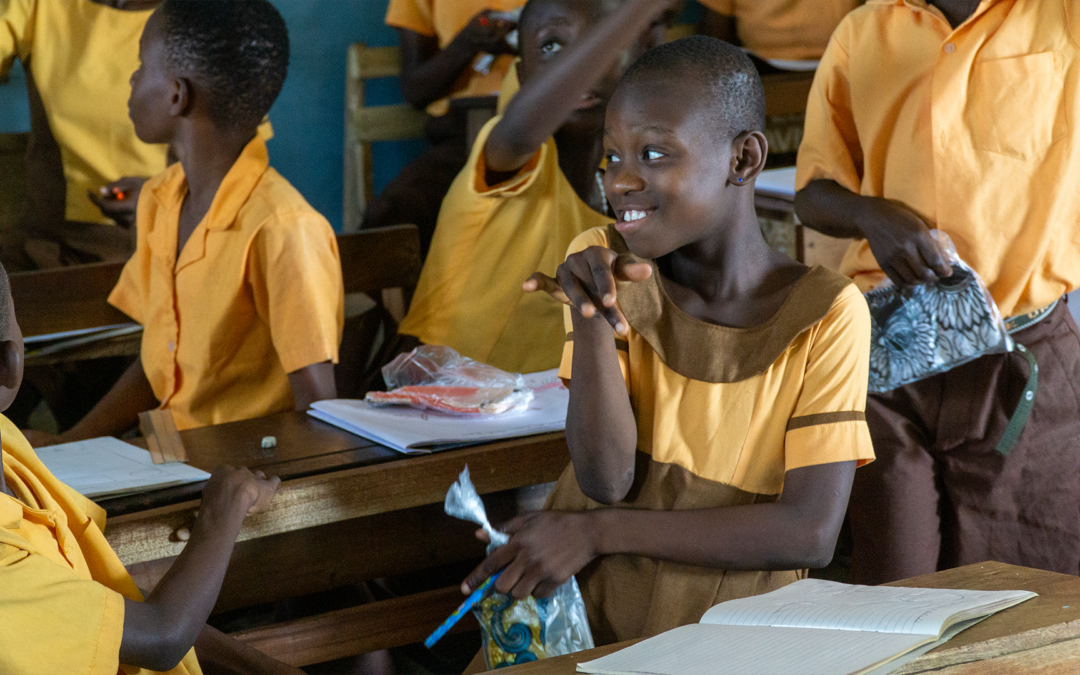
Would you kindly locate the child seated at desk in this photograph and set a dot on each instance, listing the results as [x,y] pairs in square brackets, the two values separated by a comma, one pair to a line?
[530,187]
[235,278]
[66,603]
[714,436]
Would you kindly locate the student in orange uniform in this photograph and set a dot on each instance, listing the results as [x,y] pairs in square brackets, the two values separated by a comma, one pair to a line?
[68,604]
[776,30]
[963,120]
[531,186]
[447,47]
[235,278]
[714,436]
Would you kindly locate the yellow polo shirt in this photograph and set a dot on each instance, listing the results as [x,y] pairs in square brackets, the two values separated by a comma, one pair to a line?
[703,404]
[82,56]
[489,240]
[444,19]
[256,293]
[784,29]
[974,128]
[62,588]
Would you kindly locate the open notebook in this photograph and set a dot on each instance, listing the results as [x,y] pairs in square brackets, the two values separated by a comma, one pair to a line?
[811,627]
[421,431]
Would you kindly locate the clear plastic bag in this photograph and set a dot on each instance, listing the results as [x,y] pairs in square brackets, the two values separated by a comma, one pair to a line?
[932,328]
[438,378]
[519,631]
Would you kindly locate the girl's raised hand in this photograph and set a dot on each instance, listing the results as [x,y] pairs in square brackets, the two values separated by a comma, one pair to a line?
[587,282]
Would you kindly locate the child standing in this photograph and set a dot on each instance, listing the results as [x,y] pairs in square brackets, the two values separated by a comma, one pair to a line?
[235,278]
[960,116]
[530,187]
[715,434]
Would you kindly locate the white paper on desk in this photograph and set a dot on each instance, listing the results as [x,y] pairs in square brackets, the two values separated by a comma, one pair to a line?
[107,467]
[421,431]
[776,183]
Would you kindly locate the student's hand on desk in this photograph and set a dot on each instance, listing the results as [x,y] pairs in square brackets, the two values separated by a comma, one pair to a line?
[586,282]
[487,33]
[231,487]
[544,551]
[118,200]
[902,245]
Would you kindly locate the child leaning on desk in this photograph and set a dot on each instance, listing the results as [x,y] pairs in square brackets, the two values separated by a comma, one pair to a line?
[236,279]
[67,605]
[715,434]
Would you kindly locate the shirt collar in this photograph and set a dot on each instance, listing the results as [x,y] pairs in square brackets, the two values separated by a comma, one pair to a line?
[234,191]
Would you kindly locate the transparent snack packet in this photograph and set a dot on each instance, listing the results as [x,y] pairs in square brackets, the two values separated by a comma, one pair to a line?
[932,328]
[520,631]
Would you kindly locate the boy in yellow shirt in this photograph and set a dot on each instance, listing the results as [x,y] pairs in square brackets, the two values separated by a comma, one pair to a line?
[68,605]
[235,278]
[714,436]
[963,120]
[776,30]
[531,186]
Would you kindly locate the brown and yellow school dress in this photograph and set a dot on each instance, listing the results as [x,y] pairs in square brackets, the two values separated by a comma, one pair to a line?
[722,413]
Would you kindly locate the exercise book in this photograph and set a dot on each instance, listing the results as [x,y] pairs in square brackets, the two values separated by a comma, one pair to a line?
[108,467]
[413,431]
[811,627]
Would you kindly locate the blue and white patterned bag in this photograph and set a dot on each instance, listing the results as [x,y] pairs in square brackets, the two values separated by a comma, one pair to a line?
[932,328]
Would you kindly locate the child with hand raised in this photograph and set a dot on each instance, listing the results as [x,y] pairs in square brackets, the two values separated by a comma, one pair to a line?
[717,387]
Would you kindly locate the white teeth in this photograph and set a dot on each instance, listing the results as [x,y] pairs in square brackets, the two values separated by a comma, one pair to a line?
[631,216]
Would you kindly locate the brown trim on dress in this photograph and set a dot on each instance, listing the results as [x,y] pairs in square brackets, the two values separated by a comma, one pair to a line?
[825,418]
[621,345]
[721,354]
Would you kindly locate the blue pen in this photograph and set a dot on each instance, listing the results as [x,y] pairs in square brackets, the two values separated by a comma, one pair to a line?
[473,598]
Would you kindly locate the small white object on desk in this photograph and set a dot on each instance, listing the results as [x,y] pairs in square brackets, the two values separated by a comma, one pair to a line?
[269,442]
[108,467]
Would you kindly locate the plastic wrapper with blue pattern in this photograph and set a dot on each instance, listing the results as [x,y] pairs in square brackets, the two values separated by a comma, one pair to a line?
[932,328]
[519,631]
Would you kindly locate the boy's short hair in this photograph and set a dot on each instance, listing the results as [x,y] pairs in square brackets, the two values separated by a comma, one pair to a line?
[237,51]
[730,84]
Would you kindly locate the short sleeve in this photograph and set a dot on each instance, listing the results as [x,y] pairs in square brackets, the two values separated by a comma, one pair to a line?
[16,32]
[829,421]
[725,7]
[133,289]
[415,15]
[55,622]
[294,270]
[529,177]
[830,147]
[594,237]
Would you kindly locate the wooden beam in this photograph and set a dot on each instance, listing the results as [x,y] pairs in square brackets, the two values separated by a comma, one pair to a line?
[354,493]
[787,93]
[358,630]
[386,257]
[69,298]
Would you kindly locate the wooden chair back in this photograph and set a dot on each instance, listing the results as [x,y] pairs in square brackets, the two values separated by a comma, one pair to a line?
[365,125]
[379,259]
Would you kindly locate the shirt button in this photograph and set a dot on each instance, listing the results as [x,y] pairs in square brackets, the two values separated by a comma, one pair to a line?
[950,48]
[172,346]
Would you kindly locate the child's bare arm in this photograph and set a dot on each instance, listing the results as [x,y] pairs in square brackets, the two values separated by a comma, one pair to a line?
[115,413]
[313,383]
[897,236]
[546,101]
[797,531]
[159,632]
[429,73]
[224,654]
[600,428]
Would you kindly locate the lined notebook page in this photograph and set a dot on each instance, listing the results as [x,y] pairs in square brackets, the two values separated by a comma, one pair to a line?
[814,603]
[703,649]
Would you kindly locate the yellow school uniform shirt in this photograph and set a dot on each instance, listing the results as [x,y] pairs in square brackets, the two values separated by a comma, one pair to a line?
[82,56]
[722,413]
[489,240]
[444,19]
[784,29]
[973,128]
[256,293]
[62,586]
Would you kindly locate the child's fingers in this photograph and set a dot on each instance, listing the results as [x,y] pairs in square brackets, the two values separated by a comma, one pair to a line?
[629,268]
[542,282]
[498,559]
[575,291]
[601,262]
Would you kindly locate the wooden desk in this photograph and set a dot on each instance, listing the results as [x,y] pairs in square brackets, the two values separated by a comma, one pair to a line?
[348,511]
[1041,635]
